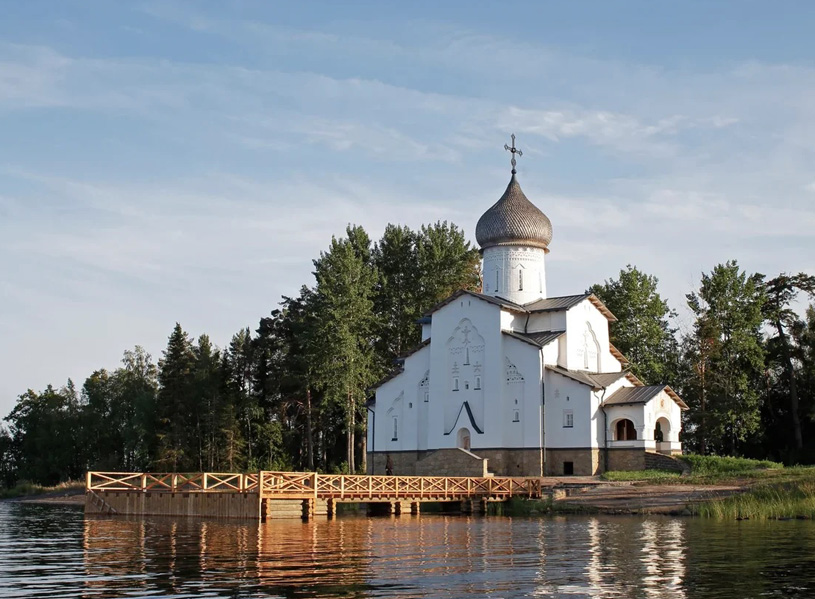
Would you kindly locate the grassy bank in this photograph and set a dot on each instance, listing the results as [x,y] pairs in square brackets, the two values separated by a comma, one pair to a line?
[27,489]
[766,501]
[707,470]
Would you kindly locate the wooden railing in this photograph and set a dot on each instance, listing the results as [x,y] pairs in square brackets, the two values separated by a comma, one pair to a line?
[307,485]
[174,482]
[347,486]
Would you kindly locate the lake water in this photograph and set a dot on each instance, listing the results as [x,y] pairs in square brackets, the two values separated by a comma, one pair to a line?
[55,551]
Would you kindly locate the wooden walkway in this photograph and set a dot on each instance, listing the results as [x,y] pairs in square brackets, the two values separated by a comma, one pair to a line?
[290,494]
[311,485]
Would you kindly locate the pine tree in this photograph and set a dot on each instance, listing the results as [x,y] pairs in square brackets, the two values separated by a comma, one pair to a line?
[643,331]
[724,359]
[176,409]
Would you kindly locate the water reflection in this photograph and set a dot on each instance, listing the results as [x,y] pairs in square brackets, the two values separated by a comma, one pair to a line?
[427,556]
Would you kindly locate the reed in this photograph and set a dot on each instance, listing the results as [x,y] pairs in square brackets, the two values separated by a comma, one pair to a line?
[765,501]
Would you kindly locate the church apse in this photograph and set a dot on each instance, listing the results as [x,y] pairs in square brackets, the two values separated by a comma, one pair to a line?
[465,371]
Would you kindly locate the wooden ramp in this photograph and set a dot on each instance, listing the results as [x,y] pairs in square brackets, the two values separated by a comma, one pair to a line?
[287,494]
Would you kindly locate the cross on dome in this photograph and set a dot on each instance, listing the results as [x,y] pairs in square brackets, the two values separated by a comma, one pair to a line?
[514,151]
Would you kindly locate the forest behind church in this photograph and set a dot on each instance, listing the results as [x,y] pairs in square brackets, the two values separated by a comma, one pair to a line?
[290,393]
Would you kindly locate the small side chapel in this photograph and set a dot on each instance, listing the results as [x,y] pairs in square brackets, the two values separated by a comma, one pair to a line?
[512,382]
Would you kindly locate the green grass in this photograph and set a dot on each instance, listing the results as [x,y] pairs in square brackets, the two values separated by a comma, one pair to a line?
[766,501]
[656,476]
[710,464]
[25,488]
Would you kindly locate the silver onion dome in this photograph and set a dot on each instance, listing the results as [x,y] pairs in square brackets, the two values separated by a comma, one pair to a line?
[513,220]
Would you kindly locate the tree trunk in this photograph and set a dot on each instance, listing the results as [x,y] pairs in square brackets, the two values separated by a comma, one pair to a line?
[364,443]
[309,433]
[796,420]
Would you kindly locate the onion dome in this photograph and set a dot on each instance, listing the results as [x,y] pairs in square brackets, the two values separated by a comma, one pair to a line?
[514,220]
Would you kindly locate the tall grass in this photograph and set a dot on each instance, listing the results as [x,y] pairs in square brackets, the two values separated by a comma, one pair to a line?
[765,501]
[26,488]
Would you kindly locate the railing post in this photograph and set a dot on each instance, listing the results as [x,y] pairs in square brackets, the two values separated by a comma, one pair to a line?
[315,487]
[144,482]
[205,481]
[88,480]
[173,482]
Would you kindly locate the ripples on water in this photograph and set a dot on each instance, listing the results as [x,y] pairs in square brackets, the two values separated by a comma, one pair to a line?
[48,551]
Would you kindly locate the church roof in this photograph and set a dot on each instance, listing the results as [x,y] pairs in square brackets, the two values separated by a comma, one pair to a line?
[540,338]
[596,380]
[498,301]
[564,302]
[637,395]
[513,220]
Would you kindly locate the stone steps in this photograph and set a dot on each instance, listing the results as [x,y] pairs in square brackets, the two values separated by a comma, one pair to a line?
[660,461]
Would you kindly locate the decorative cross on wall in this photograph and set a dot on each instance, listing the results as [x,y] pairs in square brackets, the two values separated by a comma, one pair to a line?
[514,151]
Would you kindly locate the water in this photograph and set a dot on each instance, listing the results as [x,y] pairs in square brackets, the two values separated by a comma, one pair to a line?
[53,551]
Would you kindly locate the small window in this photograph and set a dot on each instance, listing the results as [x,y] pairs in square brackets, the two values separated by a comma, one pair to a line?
[478,382]
[466,384]
[426,396]
[516,417]
[520,280]
[568,419]
[496,280]
[395,429]
[466,356]
[410,405]
[455,384]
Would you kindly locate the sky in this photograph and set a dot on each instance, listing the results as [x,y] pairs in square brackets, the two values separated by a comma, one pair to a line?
[174,161]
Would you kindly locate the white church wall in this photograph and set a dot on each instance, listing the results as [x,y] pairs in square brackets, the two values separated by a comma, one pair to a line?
[568,412]
[516,273]
[517,417]
[551,353]
[588,340]
[546,321]
[665,410]
[446,404]
[397,399]
[426,331]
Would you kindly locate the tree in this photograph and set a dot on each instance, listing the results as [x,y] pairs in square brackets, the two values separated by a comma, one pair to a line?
[344,362]
[643,331]
[780,293]
[176,403]
[724,359]
[46,435]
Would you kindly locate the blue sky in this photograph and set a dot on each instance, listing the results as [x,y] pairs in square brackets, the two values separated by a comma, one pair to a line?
[185,161]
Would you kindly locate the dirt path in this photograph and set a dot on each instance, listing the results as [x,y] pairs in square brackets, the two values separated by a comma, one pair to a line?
[643,498]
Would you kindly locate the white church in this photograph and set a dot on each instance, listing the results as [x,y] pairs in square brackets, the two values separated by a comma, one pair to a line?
[512,382]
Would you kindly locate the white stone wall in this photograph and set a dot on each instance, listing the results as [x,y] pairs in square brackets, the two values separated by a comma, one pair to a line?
[566,395]
[587,341]
[516,273]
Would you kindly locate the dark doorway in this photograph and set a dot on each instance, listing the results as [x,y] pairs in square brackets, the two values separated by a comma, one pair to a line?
[568,468]
[626,431]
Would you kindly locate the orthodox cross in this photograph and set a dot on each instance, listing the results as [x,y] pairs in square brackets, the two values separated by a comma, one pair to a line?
[514,151]
[466,330]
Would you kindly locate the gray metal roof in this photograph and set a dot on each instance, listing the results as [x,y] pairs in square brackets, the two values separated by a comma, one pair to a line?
[555,304]
[633,395]
[595,380]
[512,220]
[542,338]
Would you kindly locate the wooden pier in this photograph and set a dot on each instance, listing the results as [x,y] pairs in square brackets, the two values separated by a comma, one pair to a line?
[269,494]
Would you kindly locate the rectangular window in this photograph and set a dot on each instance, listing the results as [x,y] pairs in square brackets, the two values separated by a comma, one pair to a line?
[455,384]
[568,419]
[395,429]
[426,396]
[520,280]
[516,416]
[478,382]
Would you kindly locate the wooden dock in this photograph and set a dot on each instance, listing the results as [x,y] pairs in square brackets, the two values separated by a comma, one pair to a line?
[269,494]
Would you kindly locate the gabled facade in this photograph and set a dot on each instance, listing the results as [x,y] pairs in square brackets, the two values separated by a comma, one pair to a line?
[529,383]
